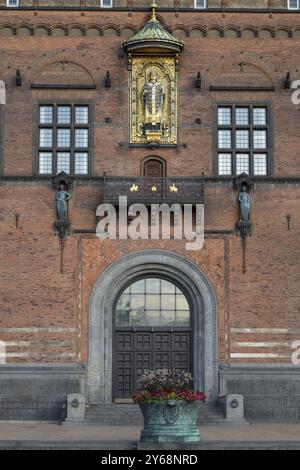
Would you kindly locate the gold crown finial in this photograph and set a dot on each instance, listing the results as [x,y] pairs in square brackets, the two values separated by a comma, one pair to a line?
[153,6]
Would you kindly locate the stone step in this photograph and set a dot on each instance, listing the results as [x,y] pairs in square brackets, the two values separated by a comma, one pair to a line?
[130,414]
[133,445]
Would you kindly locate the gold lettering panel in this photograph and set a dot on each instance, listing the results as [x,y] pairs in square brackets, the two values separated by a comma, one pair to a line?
[153,100]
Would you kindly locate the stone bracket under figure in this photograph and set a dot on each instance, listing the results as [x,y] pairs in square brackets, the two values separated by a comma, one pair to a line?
[153,96]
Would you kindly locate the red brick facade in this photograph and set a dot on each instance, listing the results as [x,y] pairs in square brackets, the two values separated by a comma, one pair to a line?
[35,296]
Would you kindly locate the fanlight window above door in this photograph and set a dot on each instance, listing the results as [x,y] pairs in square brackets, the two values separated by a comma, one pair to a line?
[153,302]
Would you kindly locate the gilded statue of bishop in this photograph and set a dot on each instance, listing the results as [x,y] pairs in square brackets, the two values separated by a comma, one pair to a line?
[153,96]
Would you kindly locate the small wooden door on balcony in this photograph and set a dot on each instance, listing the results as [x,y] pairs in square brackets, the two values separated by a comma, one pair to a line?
[152,331]
[154,173]
[154,169]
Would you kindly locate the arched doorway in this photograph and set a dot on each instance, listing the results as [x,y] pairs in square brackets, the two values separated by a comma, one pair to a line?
[152,330]
[106,293]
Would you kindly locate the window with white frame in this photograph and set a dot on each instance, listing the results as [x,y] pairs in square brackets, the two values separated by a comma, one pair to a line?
[243,140]
[106,3]
[200,3]
[293,4]
[12,3]
[64,138]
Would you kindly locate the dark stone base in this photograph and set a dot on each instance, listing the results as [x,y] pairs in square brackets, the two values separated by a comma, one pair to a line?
[271,392]
[37,392]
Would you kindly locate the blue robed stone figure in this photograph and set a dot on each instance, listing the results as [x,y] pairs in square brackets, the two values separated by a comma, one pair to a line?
[62,197]
[245,203]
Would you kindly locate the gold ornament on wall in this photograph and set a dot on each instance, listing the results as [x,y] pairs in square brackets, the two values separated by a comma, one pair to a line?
[153,100]
[173,188]
[134,188]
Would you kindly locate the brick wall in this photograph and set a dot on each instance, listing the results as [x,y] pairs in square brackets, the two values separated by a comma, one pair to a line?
[33,55]
[146,3]
[35,296]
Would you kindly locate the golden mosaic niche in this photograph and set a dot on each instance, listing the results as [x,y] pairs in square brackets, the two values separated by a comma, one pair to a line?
[164,69]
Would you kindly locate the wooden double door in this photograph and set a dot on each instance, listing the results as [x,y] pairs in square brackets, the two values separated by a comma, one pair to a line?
[139,350]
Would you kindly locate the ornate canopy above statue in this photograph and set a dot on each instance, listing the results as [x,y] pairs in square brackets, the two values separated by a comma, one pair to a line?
[153,39]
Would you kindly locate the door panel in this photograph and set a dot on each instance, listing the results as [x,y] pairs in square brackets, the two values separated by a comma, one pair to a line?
[142,341]
[162,341]
[161,360]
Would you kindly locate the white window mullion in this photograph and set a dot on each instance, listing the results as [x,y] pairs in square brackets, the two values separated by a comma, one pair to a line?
[293,4]
[200,4]
[106,3]
[12,3]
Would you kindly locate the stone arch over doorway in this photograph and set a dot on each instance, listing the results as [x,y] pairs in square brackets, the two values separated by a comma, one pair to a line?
[106,291]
